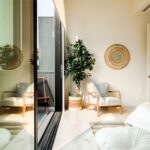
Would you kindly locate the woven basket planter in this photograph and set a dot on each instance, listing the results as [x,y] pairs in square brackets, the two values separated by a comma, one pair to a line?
[75,102]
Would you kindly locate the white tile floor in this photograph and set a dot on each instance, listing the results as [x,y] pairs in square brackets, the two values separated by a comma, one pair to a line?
[73,123]
[24,140]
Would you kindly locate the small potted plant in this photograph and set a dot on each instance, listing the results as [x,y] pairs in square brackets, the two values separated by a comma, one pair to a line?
[78,63]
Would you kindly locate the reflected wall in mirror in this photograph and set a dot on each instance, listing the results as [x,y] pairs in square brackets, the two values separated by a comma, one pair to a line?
[45,63]
[16,75]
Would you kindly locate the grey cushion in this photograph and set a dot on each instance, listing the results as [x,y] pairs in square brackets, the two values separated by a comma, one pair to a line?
[21,88]
[102,88]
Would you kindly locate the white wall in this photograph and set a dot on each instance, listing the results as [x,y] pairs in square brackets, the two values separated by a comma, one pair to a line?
[59,4]
[148,62]
[139,5]
[100,23]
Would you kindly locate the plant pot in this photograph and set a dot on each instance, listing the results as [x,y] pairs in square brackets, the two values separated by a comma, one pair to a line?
[75,102]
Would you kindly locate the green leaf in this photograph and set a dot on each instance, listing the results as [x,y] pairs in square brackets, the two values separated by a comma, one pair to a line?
[78,61]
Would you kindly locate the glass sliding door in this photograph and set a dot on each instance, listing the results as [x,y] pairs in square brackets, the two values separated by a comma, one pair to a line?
[45,64]
[49,75]
[16,75]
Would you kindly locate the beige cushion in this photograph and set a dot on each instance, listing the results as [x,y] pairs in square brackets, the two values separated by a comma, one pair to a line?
[109,101]
[16,101]
[106,101]
[23,87]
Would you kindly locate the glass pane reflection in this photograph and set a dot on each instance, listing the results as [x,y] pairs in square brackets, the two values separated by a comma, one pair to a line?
[45,63]
[16,76]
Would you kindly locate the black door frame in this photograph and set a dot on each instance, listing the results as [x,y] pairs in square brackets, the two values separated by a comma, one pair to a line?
[48,137]
[35,72]
[58,63]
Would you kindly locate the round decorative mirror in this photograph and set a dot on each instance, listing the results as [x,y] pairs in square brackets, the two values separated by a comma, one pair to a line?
[117,56]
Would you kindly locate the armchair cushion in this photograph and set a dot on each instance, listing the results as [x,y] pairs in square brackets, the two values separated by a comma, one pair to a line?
[100,91]
[17,101]
[99,95]
[102,88]
[105,101]
[21,88]
[14,98]
[109,101]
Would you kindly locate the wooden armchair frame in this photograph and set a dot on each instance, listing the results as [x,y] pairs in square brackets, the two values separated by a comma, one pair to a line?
[25,95]
[98,105]
[44,97]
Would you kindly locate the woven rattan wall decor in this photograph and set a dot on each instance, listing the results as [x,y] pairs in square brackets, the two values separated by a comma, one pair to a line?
[117,56]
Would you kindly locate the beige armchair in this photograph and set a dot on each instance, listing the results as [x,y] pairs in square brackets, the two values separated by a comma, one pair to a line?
[12,99]
[102,97]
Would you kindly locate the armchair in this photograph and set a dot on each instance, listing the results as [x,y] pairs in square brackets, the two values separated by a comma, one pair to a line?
[100,96]
[22,97]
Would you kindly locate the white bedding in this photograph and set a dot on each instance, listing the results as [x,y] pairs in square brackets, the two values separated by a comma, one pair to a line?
[123,138]
[140,117]
[134,137]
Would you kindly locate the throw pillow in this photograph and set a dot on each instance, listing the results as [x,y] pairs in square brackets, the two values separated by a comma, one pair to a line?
[103,88]
[21,88]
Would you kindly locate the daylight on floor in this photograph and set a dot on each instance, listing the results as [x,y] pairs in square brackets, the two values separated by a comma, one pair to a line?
[75,74]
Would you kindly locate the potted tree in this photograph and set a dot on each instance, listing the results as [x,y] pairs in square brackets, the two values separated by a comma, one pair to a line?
[78,63]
